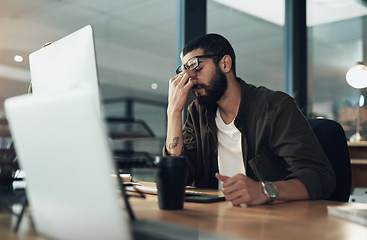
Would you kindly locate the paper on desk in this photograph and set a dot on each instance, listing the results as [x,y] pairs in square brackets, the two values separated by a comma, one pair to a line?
[124,177]
[354,213]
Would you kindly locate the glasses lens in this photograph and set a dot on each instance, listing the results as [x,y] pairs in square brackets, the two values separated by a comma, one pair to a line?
[179,69]
[192,63]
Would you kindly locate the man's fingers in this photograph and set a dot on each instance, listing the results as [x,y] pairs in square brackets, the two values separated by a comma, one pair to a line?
[221,177]
[178,77]
[182,79]
[235,179]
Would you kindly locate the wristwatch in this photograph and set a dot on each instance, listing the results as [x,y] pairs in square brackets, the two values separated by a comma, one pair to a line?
[270,190]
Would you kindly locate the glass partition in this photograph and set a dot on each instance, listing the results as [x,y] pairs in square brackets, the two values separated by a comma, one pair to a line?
[336,44]
[257,41]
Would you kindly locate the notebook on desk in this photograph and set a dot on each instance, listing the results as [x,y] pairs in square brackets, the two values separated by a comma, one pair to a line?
[63,148]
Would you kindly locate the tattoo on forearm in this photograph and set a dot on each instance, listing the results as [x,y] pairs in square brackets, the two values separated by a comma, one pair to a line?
[174,143]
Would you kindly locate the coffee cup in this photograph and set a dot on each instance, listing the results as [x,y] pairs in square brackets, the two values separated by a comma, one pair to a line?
[171,178]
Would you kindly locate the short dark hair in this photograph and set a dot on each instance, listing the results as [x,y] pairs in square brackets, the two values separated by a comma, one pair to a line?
[212,43]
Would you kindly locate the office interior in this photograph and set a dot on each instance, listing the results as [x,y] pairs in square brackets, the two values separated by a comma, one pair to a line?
[138,45]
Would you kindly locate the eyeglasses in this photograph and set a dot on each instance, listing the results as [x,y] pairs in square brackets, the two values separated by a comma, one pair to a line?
[193,63]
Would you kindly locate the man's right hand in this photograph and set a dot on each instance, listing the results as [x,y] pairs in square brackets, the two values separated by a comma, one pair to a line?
[179,87]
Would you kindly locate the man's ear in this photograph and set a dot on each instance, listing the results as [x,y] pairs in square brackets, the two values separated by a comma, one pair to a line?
[226,64]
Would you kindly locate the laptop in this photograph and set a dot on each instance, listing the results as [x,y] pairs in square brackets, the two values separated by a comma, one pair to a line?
[66,63]
[63,147]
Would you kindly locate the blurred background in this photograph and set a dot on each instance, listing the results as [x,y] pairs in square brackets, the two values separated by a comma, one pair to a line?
[136,47]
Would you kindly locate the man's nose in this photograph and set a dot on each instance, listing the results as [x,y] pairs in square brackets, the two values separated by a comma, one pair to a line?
[190,73]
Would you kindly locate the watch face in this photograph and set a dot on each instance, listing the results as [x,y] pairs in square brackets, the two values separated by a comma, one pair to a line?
[270,190]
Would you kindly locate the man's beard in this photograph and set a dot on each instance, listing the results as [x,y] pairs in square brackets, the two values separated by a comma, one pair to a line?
[214,91]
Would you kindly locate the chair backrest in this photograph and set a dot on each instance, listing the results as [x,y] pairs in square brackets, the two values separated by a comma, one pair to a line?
[332,138]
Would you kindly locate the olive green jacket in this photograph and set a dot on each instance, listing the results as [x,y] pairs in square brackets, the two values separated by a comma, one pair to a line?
[277,142]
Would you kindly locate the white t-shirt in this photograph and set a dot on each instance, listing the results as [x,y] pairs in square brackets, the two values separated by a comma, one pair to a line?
[230,160]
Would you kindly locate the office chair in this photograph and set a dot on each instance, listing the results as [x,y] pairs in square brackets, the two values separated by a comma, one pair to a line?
[333,140]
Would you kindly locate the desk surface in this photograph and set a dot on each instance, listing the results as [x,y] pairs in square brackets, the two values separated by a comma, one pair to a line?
[279,220]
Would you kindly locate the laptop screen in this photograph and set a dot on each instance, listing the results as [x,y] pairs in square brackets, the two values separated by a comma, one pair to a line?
[66,63]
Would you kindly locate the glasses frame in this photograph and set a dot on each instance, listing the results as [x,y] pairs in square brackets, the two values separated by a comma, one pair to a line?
[181,68]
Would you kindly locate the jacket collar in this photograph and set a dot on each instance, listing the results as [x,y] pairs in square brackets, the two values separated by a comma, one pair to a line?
[245,100]
[243,109]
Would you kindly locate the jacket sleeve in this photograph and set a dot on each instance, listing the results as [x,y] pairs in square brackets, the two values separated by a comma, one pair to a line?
[292,138]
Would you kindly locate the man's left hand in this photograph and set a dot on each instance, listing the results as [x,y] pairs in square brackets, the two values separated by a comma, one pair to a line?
[241,189]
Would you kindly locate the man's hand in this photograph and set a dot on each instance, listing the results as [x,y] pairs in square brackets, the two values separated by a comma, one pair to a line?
[179,87]
[241,189]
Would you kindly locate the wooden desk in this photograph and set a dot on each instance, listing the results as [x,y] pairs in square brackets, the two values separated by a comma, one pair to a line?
[358,160]
[287,220]
[283,220]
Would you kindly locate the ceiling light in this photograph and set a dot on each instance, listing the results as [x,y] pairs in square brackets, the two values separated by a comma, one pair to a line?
[357,76]
[154,86]
[18,58]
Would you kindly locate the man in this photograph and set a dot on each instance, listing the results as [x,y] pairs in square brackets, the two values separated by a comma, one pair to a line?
[255,141]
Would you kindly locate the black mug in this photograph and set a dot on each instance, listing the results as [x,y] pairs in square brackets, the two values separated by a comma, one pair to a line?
[171,178]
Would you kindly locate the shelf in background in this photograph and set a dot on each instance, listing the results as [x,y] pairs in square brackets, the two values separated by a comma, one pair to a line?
[358,160]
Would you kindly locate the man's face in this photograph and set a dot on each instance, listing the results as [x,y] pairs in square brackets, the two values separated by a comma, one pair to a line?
[212,82]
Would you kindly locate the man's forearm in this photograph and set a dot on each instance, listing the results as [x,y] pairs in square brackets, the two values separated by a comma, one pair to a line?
[292,190]
[179,87]
[174,141]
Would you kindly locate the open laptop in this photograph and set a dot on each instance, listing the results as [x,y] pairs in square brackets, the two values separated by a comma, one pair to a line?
[66,63]
[63,148]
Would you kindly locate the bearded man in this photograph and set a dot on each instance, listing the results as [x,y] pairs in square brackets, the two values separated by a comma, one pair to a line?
[251,142]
